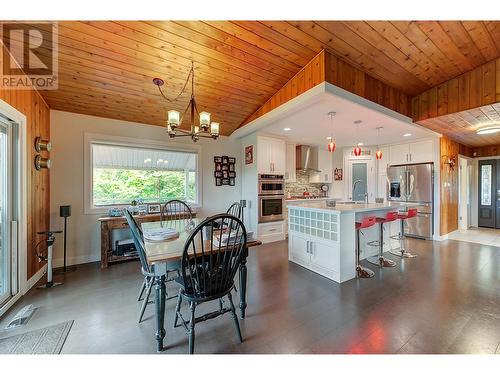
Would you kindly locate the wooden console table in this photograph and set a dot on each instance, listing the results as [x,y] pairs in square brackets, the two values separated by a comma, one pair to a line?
[108,223]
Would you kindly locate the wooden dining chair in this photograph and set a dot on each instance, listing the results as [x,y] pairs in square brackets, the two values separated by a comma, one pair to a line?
[146,270]
[236,209]
[175,210]
[209,263]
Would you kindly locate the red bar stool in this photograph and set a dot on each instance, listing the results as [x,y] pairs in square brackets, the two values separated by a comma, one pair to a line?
[363,272]
[402,216]
[380,260]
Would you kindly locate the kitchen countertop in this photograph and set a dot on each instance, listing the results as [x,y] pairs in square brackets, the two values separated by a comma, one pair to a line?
[306,199]
[340,208]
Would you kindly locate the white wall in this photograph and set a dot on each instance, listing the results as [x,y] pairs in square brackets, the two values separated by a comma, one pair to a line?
[67,176]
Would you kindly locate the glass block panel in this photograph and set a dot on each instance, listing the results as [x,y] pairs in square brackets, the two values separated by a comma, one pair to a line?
[313,232]
[313,215]
[320,215]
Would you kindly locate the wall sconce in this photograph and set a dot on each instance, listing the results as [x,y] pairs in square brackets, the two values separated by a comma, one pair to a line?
[41,162]
[450,161]
[42,144]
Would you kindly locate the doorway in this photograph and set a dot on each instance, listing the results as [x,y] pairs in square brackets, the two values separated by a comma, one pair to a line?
[360,179]
[489,193]
[464,193]
[9,191]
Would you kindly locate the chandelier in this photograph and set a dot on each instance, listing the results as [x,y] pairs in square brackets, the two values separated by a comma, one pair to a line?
[331,145]
[204,128]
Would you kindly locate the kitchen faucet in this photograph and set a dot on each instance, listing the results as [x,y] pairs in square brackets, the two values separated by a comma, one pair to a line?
[366,189]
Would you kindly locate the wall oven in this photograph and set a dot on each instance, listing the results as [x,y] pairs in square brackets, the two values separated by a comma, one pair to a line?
[271,208]
[271,184]
[271,197]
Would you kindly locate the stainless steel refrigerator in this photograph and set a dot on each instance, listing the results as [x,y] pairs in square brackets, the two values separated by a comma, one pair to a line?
[412,185]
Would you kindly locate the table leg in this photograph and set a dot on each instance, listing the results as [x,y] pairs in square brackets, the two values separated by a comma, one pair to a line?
[160,310]
[243,285]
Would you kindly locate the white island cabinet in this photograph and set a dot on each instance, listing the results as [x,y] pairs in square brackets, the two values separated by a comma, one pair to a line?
[322,238]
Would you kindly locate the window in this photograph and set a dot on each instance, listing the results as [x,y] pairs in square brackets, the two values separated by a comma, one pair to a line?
[486,185]
[121,174]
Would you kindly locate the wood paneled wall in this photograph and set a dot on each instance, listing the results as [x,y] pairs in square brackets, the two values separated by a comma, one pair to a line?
[343,75]
[478,87]
[449,186]
[31,104]
[309,76]
[327,67]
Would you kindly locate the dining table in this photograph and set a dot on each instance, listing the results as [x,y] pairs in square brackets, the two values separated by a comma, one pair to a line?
[160,253]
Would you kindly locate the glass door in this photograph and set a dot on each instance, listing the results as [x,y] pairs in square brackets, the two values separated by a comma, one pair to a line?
[8,209]
[5,290]
[487,190]
[359,182]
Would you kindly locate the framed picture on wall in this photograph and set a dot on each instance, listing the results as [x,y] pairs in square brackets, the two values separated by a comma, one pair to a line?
[218,181]
[337,175]
[249,154]
[154,208]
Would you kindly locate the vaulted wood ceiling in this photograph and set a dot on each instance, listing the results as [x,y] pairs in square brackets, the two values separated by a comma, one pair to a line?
[106,68]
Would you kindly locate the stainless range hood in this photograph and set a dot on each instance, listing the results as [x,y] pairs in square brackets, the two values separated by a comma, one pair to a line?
[307,159]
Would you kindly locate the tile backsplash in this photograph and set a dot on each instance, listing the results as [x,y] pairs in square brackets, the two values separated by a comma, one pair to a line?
[301,184]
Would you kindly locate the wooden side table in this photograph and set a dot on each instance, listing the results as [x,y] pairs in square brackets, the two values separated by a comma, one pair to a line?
[108,223]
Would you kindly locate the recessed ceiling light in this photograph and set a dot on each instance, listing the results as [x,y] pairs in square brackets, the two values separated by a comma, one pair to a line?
[287,129]
[360,144]
[407,135]
[489,130]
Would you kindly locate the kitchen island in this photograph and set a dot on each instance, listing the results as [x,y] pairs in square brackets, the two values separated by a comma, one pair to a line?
[322,238]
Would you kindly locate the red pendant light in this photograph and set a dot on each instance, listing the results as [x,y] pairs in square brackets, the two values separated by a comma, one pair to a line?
[378,153]
[357,149]
[331,145]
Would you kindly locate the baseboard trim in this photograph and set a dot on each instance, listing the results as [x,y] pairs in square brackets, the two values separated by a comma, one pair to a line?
[73,261]
[35,278]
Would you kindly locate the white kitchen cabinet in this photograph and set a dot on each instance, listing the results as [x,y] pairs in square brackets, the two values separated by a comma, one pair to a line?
[421,151]
[398,154]
[290,162]
[271,155]
[415,152]
[325,165]
[299,249]
[324,255]
[316,254]
[271,232]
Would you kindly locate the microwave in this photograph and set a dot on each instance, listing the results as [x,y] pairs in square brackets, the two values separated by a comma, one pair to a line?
[271,184]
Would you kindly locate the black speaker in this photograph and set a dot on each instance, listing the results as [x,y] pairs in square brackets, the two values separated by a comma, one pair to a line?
[65,211]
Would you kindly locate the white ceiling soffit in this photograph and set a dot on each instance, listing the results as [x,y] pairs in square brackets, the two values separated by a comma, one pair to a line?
[307,117]
[123,157]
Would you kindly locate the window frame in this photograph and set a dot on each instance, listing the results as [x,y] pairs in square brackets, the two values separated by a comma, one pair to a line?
[94,138]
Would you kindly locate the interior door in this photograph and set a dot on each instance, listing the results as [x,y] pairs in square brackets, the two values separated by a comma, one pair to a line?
[359,181]
[487,197]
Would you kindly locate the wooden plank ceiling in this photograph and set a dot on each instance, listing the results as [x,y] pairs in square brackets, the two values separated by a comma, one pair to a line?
[462,126]
[106,68]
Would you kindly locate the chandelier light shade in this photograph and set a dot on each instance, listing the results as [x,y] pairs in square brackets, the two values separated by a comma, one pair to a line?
[214,129]
[204,120]
[357,151]
[173,118]
[378,154]
[331,145]
[204,128]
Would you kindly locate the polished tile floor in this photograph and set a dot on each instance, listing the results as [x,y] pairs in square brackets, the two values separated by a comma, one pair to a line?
[484,236]
[445,301]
